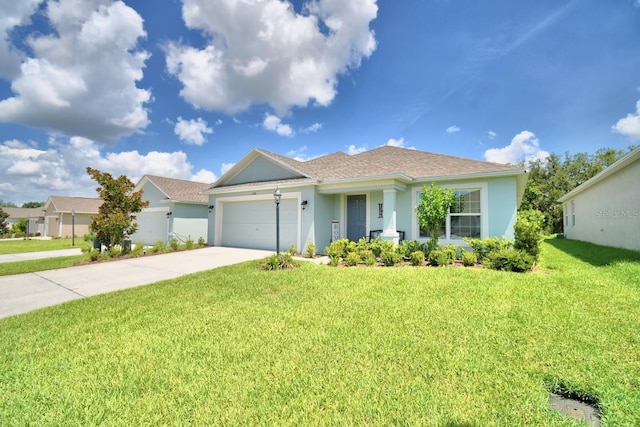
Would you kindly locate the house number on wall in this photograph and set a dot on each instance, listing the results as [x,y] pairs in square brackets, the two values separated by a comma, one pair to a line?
[335,231]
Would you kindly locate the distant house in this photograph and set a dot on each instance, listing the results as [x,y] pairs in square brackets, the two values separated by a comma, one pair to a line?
[64,216]
[176,209]
[370,194]
[33,216]
[605,210]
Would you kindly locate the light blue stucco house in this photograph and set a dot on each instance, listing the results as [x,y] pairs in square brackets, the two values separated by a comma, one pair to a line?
[176,209]
[352,196]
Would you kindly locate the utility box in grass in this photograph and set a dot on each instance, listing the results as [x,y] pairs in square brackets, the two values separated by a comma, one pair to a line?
[126,246]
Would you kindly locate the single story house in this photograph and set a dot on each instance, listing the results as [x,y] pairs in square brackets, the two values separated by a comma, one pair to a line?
[176,209]
[352,196]
[64,216]
[34,217]
[605,209]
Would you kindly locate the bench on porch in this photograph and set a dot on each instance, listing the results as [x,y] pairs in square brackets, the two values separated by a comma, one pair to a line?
[374,234]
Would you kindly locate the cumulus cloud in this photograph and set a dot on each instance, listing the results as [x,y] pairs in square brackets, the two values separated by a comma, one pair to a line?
[192,131]
[523,147]
[80,78]
[312,129]
[267,53]
[30,173]
[274,124]
[353,149]
[14,14]
[630,125]
[453,129]
[492,135]
[225,167]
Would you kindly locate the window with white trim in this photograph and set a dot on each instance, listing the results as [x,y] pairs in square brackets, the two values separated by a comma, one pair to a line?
[464,219]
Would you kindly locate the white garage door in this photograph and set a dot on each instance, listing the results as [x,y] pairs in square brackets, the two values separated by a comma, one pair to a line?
[252,224]
[152,227]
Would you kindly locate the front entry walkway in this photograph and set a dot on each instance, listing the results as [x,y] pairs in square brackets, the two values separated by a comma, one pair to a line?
[26,292]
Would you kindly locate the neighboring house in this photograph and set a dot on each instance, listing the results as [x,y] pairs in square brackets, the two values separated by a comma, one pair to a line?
[33,216]
[176,208]
[64,216]
[605,210]
[353,196]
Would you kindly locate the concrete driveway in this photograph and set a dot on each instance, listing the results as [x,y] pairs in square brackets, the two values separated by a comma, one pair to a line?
[26,292]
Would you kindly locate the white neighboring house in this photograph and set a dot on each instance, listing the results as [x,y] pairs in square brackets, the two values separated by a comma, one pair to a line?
[34,217]
[176,208]
[605,210]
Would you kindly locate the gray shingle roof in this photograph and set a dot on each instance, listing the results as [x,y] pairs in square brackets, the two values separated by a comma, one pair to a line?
[387,161]
[78,204]
[23,212]
[180,190]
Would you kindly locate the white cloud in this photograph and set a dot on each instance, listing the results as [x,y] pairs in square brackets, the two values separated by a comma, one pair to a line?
[274,124]
[453,129]
[630,125]
[81,78]
[225,167]
[312,129]
[204,175]
[14,14]
[192,131]
[398,143]
[264,52]
[523,147]
[492,135]
[352,149]
[32,174]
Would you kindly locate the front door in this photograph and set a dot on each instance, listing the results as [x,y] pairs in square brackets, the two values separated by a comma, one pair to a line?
[356,217]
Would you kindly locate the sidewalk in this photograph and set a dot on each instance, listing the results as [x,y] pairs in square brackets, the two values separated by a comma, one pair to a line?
[39,255]
[26,292]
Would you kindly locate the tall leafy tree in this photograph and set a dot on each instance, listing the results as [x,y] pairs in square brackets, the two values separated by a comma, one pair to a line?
[432,210]
[32,204]
[116,217]
[551,178]
[4,224]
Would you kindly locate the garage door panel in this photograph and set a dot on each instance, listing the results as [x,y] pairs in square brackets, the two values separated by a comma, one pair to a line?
[252,224]
[152,227]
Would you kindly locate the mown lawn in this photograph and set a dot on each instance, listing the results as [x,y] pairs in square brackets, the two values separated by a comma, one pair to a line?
[36,245]
[32,266]
[336,346]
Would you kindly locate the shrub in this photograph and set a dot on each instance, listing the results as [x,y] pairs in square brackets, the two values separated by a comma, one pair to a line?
[451,250]
[352,259]
[292,250]
[282,261]
[173,243]
[337,249]
[390,258]
[510,260]
[311,249]
[94,254]
[378,246]
[188,243]
[138,249]
[417,258]
[438,257]
[114,251]
[158,247]
[469,259]
[482,247]
[528,231]
[368,257]
[411,246]
[201,242]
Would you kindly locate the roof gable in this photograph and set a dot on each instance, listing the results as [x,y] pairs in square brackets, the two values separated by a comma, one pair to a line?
[260,166]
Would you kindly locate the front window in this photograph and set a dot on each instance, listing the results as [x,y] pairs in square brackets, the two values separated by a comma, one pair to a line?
[464,217]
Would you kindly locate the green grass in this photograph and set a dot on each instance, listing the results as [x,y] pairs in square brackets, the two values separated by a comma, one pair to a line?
[32,266]
[37,245]
[336,346]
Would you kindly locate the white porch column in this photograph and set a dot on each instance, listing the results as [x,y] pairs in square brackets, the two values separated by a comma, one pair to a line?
[389,231]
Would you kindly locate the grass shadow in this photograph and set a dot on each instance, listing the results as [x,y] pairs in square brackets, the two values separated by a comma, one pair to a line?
[593,254]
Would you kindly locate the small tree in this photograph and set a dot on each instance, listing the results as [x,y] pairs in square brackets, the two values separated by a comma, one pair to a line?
[116,216]
[4,224]
[432,210]
[528,231]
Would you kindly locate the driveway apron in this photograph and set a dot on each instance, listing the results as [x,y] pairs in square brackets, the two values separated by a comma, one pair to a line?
[26,292]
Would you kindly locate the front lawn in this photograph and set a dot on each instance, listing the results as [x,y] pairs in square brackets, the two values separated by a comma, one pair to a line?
[324,346]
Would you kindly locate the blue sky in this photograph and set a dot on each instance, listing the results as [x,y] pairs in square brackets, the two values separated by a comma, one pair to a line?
[186,88]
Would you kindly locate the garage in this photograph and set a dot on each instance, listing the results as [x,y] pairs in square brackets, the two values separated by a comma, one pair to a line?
[152,227]
[252,224]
